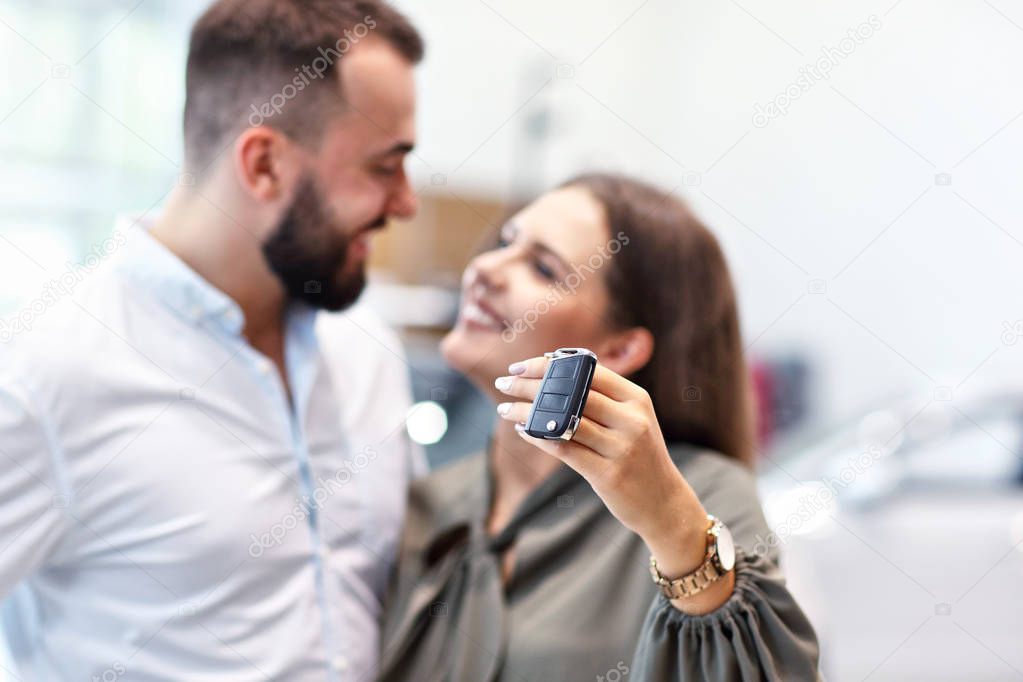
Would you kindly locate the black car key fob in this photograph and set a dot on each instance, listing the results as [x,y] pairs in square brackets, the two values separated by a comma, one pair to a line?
[559,403]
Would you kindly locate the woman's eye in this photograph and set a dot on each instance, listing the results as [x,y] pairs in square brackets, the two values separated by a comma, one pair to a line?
[543,269]
[387,172]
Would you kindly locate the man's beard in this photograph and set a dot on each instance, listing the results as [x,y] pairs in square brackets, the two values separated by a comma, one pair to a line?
[308,253]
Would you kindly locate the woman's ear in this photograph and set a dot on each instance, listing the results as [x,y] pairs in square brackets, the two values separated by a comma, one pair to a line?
[627,352]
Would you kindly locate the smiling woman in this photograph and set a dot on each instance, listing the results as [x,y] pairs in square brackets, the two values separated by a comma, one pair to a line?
[534,559]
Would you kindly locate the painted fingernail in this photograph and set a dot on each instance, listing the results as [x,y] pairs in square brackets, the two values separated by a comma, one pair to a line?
[503,383]
[504,408]
[520,427]
[517,368]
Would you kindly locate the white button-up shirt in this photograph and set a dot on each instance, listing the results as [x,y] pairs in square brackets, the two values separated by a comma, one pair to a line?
[166,513]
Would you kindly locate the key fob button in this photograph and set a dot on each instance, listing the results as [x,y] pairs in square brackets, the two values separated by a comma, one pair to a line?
[553,401]
[564,369]
[559,386]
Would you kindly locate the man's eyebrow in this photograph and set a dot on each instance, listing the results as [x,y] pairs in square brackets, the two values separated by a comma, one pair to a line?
[398,148]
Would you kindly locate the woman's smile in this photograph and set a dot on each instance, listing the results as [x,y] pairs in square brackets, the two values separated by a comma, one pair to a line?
[478,314]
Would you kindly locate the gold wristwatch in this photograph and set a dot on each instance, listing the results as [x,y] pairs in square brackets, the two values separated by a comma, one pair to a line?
[720,559]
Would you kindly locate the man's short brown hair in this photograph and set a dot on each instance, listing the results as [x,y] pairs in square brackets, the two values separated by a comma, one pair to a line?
[274,62]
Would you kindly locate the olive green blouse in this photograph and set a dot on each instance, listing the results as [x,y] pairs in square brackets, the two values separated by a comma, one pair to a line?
[580,603]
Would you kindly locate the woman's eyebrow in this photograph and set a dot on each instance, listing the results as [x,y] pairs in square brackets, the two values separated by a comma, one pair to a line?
[511,230]
[540,246]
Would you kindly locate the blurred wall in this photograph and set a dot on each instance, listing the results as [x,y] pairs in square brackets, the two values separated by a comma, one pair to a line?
[872,225]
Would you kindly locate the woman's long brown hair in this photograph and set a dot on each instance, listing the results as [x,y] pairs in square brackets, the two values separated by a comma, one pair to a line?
[671,278]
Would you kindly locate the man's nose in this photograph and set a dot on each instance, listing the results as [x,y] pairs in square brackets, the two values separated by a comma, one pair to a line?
[404,202]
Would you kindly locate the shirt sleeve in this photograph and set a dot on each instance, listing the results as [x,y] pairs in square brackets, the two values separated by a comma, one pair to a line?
[760,633]
[32,498]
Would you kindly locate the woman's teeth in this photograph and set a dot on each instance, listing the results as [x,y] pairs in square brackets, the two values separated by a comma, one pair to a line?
[474,313]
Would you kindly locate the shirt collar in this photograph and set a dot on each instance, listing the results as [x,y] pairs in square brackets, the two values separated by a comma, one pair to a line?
[149,264]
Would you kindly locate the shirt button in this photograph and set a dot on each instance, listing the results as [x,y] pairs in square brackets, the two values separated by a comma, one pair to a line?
[339,663]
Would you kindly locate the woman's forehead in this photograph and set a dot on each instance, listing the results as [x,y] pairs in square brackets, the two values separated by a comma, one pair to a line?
[570,215]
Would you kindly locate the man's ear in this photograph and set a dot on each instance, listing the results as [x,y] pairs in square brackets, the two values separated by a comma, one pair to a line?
[262,163]
[628,351]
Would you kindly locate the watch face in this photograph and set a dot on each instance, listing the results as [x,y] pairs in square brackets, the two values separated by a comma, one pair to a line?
[726,549]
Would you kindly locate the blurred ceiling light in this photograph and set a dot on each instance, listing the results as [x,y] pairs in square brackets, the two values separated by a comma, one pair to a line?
[427,422]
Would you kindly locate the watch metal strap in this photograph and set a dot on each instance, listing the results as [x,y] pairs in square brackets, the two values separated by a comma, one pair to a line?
[693,583]
[688,585]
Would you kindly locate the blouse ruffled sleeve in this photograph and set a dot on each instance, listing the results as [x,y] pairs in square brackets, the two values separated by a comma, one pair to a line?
[760,633]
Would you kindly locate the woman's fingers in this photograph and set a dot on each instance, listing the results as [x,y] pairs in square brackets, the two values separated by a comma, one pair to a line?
[606,381]
[518,387]
[585,461]
[603,408]
[599,408]
[590,434]
[613,385]
[533,368]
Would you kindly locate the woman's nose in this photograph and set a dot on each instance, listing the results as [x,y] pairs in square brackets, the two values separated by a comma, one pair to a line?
[489,269]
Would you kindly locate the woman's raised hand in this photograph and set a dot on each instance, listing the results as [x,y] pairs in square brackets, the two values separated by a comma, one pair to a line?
[619,449]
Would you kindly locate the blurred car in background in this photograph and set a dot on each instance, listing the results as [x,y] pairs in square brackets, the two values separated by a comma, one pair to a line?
[902,537]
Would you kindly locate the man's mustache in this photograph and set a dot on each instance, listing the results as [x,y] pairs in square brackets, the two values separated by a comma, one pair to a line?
[377,224]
